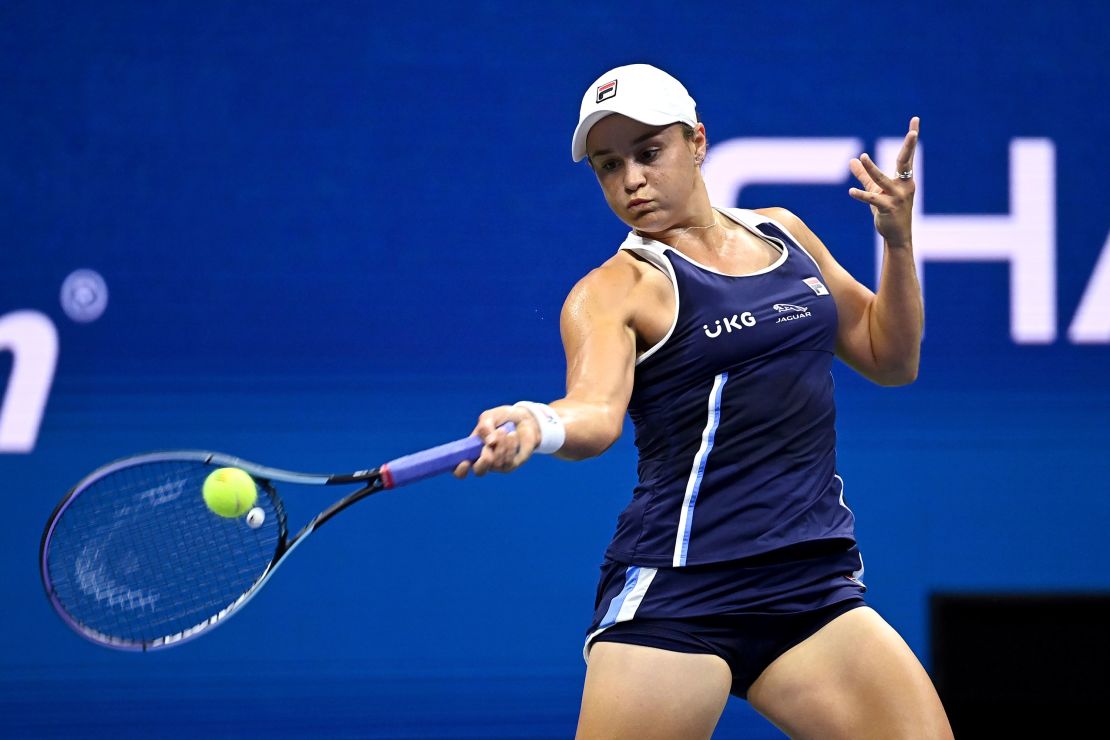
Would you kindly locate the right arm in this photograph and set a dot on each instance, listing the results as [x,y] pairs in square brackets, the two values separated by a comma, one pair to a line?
[600,344]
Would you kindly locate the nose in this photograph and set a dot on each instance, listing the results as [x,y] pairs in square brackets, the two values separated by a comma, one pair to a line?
[634,178]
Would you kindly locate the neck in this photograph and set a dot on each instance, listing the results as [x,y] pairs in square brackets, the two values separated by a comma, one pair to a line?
[699,231]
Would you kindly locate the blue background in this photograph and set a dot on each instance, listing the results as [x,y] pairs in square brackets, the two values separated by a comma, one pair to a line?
[334,233]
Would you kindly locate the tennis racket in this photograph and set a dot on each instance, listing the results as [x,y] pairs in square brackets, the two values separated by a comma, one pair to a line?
[133,559]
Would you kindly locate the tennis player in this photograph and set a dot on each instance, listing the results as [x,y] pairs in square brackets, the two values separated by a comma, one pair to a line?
[734,569]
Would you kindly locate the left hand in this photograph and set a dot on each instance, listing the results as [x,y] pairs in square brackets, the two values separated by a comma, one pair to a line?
[891,199]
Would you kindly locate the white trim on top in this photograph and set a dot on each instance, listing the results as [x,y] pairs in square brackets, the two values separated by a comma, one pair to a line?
[652,252]
[742,221]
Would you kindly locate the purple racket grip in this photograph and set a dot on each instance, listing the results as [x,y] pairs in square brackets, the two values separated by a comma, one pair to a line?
[434,461]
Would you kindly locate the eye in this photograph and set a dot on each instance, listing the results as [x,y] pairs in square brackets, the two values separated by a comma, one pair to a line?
[608,165]
[649,155]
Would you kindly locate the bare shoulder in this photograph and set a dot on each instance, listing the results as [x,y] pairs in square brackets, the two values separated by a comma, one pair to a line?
[610,287]
[793,224]
[783,216]
[798,230]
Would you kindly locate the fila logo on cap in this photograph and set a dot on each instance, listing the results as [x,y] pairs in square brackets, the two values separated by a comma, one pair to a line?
[606,91]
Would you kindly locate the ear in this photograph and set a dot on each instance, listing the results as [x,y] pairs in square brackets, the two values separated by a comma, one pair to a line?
[700,143]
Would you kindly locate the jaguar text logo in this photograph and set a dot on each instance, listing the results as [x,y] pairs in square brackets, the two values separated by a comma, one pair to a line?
[790,312]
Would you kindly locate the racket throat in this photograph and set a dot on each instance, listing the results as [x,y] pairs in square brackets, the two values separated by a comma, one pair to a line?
[386,476]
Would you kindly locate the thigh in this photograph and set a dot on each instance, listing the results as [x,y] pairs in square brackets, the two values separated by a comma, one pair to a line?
[854,678]
[633,691]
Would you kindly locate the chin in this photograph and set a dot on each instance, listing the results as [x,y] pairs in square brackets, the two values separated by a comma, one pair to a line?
[651,222]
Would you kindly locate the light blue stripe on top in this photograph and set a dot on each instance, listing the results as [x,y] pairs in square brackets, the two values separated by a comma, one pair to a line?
[694,485]
[630,577]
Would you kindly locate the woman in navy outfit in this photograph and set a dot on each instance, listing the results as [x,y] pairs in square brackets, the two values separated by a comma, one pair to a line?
[734,569]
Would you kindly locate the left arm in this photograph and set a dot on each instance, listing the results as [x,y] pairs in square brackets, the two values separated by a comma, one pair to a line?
[879,335]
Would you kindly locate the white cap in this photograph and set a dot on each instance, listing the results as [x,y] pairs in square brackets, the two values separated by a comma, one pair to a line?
[641,92]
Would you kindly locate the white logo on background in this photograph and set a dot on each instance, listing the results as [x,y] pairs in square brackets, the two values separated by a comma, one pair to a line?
[1024,238]
[32,339]
[730,324]
[792,312]
[816,286]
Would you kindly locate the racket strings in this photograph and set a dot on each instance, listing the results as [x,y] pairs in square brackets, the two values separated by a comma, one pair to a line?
[137,556]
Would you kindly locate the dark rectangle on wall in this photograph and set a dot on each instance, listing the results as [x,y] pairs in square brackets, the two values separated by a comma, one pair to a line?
[1020,660]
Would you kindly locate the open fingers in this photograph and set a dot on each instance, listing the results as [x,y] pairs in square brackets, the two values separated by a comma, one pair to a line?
[881,201]
[877,175]
[909,146]
[874,179]
[860,173]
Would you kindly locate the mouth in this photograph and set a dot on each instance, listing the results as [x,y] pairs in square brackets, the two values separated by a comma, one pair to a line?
[637,202]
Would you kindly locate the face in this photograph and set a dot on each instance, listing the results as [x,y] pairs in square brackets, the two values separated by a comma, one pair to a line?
[649,174]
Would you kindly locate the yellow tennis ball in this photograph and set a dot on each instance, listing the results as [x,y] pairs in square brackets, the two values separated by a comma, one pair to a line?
[229,492]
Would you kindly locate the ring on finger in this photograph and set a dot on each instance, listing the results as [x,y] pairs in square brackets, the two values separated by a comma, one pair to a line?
[905,175]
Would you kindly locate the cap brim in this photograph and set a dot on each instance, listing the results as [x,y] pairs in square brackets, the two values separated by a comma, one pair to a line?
[578,142]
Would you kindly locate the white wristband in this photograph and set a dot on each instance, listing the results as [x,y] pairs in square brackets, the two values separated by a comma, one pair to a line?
[552,431]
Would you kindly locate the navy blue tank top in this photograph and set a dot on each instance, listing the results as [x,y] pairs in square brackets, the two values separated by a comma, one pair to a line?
[734,414]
